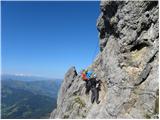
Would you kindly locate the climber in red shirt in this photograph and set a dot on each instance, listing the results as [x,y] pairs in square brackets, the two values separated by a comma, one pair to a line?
[87,80]
[91,84]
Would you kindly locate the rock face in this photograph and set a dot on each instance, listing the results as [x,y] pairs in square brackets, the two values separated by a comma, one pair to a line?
[127,66]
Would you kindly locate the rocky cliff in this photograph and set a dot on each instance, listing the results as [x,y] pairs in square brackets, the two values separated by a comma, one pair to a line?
[127,65]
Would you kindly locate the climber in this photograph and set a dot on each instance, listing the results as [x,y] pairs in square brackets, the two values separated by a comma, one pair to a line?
[83,75]
[89,74]
[91,84]
[86,77]
[95,88]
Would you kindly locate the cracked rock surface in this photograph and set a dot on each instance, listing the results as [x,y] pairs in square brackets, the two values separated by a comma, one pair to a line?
[127,65]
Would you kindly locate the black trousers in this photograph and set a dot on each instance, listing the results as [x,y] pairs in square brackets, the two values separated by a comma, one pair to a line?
[88,86]
[95,94]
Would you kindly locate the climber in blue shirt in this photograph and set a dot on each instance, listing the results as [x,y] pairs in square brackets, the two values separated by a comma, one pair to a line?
[88,74]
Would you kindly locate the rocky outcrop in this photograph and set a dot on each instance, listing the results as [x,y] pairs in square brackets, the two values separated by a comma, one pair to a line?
[127,66]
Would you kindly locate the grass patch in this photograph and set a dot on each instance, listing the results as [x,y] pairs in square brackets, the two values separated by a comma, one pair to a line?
[157,106]
[138,55]
[80,102]
[66,116]
[147,116]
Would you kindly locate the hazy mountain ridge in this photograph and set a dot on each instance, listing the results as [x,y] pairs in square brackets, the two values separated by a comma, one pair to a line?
[18,103]
[24,77]
[28,99]
[47,87]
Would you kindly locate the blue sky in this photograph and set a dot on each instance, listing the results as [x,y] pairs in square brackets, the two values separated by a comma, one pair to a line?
[47,38]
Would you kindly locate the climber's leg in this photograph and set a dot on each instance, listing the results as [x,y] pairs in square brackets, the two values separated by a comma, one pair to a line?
[97,96]
[93,95]
[87,91]
[88,87]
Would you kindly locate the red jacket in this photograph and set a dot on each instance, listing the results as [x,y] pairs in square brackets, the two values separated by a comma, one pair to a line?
[84,77]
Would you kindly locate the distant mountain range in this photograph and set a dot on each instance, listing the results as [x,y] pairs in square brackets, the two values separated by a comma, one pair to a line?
[24,77]
[28,96]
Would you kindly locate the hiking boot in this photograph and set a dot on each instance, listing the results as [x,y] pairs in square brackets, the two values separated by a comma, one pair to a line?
[98,102]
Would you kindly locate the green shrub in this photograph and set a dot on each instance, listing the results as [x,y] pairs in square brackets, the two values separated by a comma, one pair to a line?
[78,101]
[66,116]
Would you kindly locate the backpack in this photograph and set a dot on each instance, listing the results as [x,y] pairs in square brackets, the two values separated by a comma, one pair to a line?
[84,77]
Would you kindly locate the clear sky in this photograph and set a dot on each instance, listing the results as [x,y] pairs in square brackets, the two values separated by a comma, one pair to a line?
[47,38]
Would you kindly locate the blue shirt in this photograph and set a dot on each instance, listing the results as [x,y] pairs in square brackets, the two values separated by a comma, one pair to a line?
[89,73]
